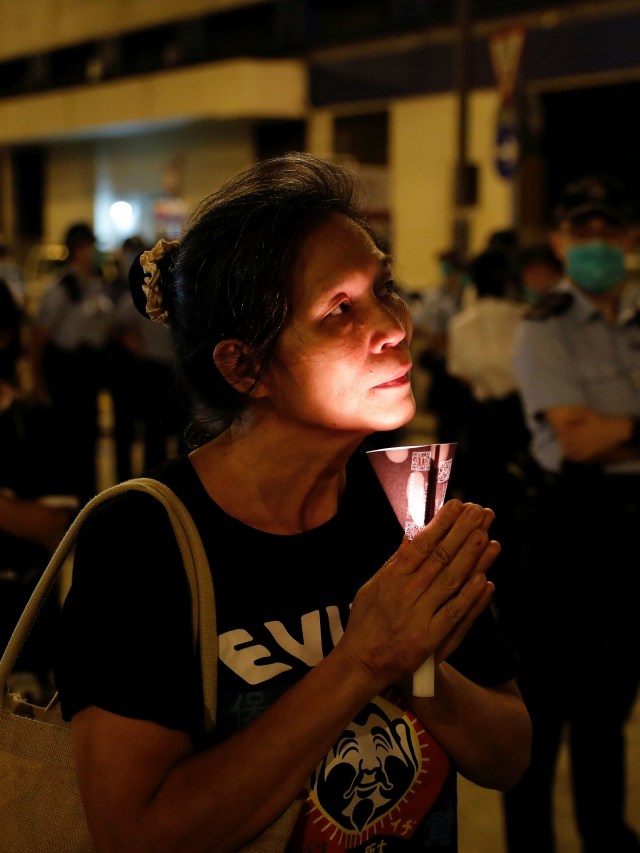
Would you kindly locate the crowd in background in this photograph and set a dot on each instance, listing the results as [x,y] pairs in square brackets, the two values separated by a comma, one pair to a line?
[534,358]
[81,340]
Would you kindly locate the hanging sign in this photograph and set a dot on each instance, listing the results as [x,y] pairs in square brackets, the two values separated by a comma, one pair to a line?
[505,48]
[507,143]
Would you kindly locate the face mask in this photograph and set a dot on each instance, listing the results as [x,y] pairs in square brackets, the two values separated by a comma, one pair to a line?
[596,267]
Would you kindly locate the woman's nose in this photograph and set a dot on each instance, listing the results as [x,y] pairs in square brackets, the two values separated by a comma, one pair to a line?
[393,325]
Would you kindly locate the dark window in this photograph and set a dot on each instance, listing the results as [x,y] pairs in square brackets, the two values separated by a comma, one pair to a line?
[273,138]
[28,172]
[364,137]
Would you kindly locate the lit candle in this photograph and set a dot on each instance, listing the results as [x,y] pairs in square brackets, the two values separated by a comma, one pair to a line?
[415,480]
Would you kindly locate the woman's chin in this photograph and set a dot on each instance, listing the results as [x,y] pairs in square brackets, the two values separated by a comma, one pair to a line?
[400,417]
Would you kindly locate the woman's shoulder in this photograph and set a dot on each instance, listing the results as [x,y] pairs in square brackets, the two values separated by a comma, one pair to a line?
[177,473]
[135,513]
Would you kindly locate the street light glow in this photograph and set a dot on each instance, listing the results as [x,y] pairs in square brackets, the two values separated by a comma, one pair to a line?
[122,213]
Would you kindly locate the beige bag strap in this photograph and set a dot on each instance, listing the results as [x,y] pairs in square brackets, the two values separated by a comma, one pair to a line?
[196,566]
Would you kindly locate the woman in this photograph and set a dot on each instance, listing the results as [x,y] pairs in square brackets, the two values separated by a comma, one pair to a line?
[296,345]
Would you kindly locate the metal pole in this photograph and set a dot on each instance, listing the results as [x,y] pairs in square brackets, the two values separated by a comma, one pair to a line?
[464,175]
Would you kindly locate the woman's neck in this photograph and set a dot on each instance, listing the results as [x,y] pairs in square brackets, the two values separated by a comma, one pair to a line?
[278,483]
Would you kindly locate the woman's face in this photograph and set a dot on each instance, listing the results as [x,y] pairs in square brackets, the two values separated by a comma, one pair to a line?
[342,363]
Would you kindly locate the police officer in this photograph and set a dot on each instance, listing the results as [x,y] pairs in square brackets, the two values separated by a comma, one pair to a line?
[577,360]
[70,332]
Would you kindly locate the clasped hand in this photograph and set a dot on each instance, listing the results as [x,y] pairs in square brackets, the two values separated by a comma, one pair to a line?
[426,596]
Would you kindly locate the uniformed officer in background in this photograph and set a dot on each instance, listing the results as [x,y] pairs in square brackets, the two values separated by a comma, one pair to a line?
[69,337]
[577,360]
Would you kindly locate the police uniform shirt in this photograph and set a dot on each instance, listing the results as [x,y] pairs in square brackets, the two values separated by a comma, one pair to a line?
[567,354]
[72,324]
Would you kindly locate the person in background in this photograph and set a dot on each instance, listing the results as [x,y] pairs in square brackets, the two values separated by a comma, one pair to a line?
[577,359]
[36,506]
[504,240]
[433,307]
[296,347]
[539,269]
[120,362]
[144,385]
[69,336]
[481,339]
[11,273]
[447,398]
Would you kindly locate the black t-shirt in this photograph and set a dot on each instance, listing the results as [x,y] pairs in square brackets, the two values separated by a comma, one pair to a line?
[282,603]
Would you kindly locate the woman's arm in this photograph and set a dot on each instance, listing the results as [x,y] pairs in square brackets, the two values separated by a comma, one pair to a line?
[144,789]
[587,436]
[485,730]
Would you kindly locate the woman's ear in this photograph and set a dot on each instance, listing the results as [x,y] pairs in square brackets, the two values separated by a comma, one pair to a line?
[233,360]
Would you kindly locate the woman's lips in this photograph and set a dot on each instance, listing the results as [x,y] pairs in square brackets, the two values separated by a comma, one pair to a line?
[399,381]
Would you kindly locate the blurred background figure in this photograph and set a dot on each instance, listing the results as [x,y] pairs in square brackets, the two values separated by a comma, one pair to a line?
[505,240]
[69,339]
[120,360]
[147,404]
[11,273]
[539,269]
[447,398]
[577,359]
[36,504]
[481,340]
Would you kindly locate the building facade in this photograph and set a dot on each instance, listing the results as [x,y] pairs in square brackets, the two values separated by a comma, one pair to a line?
[462,117]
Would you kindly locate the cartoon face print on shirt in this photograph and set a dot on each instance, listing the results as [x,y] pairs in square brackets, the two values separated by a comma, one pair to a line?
[381,778]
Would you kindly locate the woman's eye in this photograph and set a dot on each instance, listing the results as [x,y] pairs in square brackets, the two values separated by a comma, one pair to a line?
[340,309]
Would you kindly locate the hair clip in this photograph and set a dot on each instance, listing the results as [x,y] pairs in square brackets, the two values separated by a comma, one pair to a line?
[151,285]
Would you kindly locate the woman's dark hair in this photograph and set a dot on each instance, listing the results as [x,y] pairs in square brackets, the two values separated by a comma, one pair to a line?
[232,274]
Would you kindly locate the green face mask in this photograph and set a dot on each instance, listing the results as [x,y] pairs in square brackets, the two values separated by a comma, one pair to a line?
[596,267]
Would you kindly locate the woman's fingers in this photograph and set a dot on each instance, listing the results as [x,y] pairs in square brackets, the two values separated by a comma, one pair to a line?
[446,552]
[456,590]
[488,517]
[427,594]
[457,633]
[412,553]
[488,556]
[459,602]
[440,547]
[462,560]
